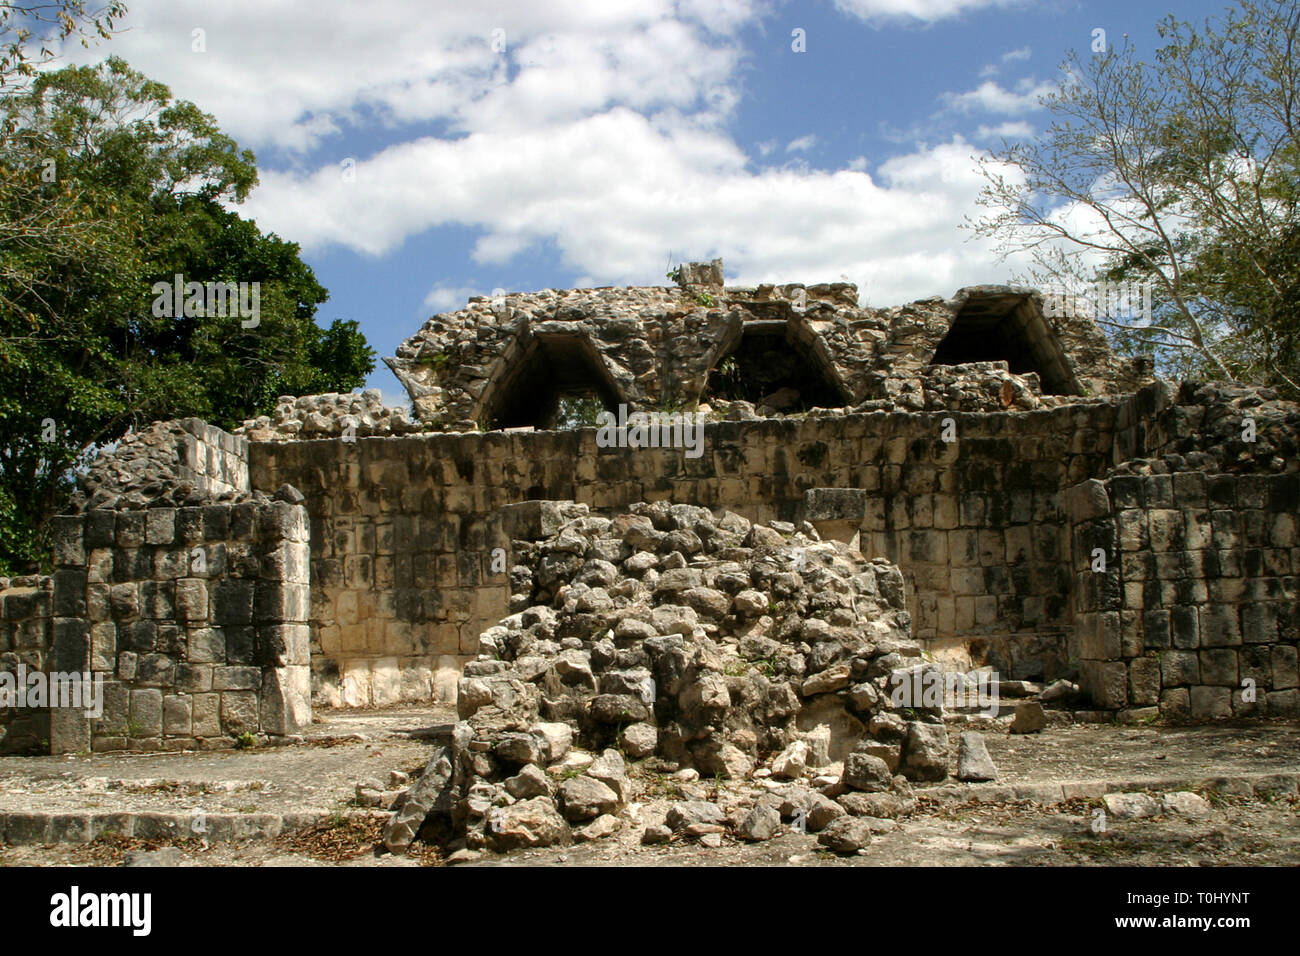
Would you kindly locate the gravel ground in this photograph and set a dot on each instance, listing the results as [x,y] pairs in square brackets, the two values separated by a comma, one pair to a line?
[321,773]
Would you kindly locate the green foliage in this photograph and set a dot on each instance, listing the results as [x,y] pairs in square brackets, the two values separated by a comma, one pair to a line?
[1188,169]
[705,298]
[108,186]
[578,411]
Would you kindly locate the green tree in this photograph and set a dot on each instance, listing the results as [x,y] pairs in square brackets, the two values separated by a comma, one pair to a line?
[1181,174]
[107,188]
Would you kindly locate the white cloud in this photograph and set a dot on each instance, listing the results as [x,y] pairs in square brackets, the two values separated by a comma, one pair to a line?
[613,193]
[287,74]
[802,144]
[1011,56]
[1014,129]
[992,97]
[445,298]
[924,11]
[599,131]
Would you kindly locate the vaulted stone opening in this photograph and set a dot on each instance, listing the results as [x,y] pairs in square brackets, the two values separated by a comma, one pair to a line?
[559,380]
[772,364]
[1008,328]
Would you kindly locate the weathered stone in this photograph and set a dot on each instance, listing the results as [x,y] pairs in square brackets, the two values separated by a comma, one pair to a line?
[599,828]
[639,740]
[1029,718]
[789,764]
[583,798]
[865,772]
[759,824]
[1186,804]
[887,805]
[656,834]
[529,782]
[528,823]
[1130,806]
[846,835]
[689,812]
[973,761]
[925,753]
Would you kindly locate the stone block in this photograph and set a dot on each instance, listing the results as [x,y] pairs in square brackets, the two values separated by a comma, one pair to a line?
[1258,624]
[191,599]
[285,705]
[1219,667]
[1144,681]
[146,713]
[239,712]
[1175,704]
[1210,702]
[176,716]
[233,678]
[1105,682]
[1219,627]
[206,715]
[160,526]
[1179,668]
[206,645]
[1284,667]
[232,602]
[1185,626]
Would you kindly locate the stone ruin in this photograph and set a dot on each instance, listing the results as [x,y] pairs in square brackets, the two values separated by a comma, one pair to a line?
[671,634]
[987,486]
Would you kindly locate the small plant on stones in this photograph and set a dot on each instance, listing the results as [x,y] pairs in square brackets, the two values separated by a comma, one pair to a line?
[246,741]
[705,298]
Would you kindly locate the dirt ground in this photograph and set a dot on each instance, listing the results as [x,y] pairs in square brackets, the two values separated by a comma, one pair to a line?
[948,827]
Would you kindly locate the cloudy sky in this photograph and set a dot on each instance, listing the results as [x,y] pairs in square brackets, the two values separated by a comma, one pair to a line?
[422,152]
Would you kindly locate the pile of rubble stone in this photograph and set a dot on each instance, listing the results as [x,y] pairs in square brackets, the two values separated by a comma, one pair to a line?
[696,646]
[1218,427]
[330,416]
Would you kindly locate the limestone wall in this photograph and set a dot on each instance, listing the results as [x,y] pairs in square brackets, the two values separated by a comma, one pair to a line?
[404,575]
[26,608]
[194,617]
[1194,608]
[493,362]
[187,461]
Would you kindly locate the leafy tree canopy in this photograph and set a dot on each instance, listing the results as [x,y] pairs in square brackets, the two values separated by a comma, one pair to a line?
[1180,177]
[109,190]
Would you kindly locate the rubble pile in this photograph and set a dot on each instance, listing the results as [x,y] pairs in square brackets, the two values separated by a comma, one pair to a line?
[1217,428]
[693,645]
[354,415]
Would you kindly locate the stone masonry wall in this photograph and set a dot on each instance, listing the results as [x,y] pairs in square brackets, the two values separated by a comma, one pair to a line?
[1197,596]
[651,347]
[404,575]
[196,618]
[26,606]
[188,461]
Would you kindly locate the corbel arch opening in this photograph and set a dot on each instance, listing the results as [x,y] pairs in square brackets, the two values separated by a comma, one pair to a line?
[1008,328]
[772,364]
[558,381]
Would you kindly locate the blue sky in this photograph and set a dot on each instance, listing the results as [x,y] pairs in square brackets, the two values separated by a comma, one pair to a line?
[424,152]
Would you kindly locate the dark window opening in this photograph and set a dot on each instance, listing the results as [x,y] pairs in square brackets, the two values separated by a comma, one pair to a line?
[559,383]
[997,332]
[769,367]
